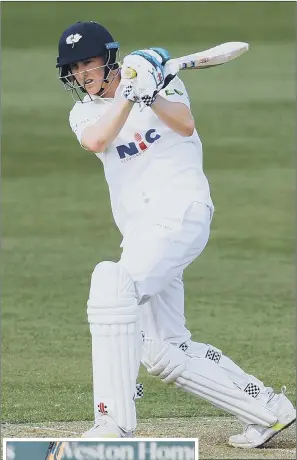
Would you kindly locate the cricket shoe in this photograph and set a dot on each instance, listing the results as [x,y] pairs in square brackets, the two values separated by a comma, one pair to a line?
[106,427]
[255,435]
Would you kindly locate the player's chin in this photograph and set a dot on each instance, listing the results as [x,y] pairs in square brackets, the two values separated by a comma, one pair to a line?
[93,88]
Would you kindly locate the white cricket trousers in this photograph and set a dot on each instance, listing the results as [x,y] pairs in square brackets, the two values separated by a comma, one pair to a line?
[155,253]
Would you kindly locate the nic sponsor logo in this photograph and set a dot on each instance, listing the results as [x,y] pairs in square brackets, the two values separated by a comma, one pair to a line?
[140,145]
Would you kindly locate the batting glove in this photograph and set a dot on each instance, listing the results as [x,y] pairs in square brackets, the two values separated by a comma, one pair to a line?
[150,76]
[170,68]
[160,54]
[128,90]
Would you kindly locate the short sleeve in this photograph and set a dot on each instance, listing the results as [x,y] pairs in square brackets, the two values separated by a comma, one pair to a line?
[176,92]
[79,119]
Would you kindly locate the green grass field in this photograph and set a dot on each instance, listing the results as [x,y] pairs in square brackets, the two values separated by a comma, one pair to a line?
[57,223]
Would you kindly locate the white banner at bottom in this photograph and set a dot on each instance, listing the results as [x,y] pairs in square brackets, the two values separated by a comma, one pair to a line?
[103,449]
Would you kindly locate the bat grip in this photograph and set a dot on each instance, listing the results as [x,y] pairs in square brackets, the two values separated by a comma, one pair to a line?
[129,73]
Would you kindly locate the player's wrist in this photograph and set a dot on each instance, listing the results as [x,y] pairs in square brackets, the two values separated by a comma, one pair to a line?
[157,100]
[127,92]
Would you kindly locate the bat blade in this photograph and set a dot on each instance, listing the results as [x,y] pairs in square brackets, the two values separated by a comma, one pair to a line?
[212,57]
[218,55]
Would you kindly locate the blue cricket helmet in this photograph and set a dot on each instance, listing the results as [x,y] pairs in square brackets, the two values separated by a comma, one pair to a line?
[84,40]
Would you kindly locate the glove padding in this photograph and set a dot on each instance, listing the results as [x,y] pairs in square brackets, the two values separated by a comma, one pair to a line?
[160,54]
[128,90]
[170,67]
[150,76]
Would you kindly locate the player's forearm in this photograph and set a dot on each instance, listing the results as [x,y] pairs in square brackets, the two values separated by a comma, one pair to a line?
[99,136]
[175,115]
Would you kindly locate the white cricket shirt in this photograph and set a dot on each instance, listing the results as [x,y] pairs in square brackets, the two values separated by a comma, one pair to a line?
[148,166]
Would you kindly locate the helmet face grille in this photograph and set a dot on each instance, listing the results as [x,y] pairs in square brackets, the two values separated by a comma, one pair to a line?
[78,91]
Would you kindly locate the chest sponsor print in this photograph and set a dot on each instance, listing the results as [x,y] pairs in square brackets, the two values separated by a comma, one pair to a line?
[140,144]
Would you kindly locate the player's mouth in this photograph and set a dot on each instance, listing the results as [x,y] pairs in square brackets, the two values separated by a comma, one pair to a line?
[89,81]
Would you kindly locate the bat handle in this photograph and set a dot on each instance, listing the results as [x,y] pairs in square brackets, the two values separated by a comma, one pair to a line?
[128,72]
[55,450]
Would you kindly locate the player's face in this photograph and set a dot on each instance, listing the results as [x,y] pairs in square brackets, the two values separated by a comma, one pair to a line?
[89,74]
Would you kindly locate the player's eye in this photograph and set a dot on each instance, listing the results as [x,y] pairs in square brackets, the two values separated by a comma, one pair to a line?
[73,68]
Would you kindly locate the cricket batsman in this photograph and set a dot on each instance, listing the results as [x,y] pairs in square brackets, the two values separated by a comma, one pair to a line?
[144,133]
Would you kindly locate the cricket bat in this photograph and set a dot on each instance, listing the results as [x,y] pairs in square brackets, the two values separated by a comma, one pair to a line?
[203,59]
[55,450]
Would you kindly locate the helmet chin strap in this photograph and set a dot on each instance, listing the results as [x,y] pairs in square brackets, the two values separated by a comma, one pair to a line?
[104,86]
[107,83]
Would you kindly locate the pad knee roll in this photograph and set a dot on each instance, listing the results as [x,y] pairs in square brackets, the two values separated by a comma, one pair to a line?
[112,297]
